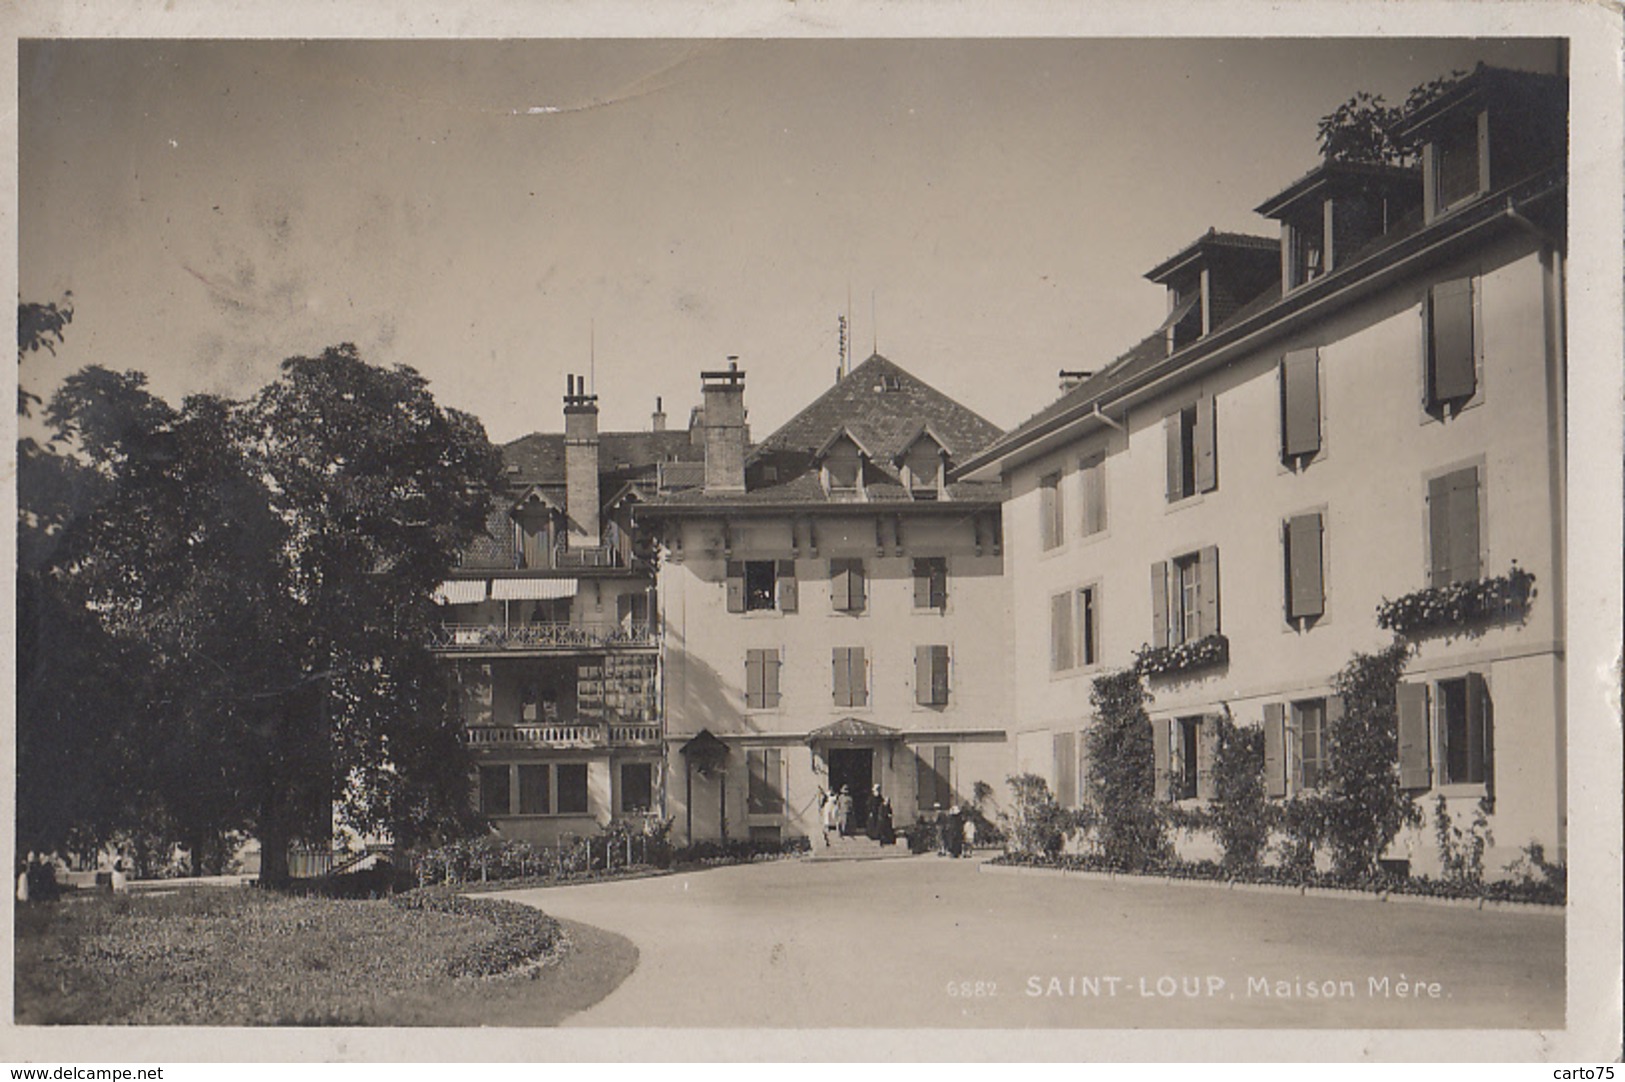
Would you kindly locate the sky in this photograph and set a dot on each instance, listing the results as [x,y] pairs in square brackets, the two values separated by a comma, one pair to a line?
[497,214]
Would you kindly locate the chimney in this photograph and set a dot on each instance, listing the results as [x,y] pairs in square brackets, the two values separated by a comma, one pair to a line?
[723,393]
[580,463]
[657,422]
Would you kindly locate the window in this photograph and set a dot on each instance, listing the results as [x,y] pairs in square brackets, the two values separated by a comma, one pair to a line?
[1185,598]
[851,676]
[1300,407]
[1183,751]
[931,582]
[1456,163]
[1305,568]
[923,466]
[533,789]
[494,791]
[1446,733]
[934,769]
[572,788]
[931,675]
[761,585]
[1092,481]
[632,610]
[637,788]
[848,587]
[843,469]
[1074,628]
[1453,534]
[761,679]
[766,793]
[1192,450]
[1297,743]
[1307,240]
[1452,354]
[1051,514]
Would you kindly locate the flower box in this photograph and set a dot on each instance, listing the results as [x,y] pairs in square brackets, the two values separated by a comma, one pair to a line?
[1187,656]
[1460,604]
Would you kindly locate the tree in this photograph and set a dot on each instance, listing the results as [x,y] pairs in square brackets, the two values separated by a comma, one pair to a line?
[1366,129]
[1122,772]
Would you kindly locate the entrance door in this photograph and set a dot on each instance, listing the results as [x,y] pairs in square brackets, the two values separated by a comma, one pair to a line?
[855,769]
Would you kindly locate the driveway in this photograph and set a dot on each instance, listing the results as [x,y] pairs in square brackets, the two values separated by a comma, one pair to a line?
[933,943]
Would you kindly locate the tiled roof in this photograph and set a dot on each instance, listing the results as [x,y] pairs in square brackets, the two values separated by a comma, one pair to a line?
[540,455]
[494,550]
[1214,239]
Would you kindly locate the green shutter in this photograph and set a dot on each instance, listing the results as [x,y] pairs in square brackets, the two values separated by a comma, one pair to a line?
[939,675]
[754,696]
[1207,444]
[1093,473]
[736,586]
[1304,566]
[785,577]
[925,786]
[1439,571]
[770,678]
[922,583]
[773,774]
[1066,769]
[840,585]
[1415,770]
[1207,750]
[1274,750]
[1172,433]
[939,583]
[1452,360]
[1300,403]
[1207,589]
[1060,632]
[942,765]
[1160,758]
[859,680]
[1159,603]
[842,676]
[1480,746]
[922,675]
[1464,557]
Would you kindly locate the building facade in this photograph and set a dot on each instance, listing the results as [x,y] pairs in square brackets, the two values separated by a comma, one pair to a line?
[1365,409]
[834,610]
[551,631]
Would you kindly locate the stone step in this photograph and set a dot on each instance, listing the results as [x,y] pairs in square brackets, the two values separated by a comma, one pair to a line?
[856,848]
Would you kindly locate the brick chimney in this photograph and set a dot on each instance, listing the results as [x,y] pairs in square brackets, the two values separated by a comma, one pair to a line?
[723,393]
[580,463]
[657,420]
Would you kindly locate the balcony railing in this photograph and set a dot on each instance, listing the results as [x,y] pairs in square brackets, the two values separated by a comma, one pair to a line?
[563,736]
[567,556]
[540,636]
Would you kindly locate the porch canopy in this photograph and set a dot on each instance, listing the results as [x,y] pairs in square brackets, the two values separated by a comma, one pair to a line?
[852,731]
[705,751]
[460,592]
[532,589]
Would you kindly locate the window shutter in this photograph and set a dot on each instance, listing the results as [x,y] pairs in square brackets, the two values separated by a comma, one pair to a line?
[1439,573]
[1066,769]
[1160,758]
[770,678]
[1274,750]
[1480,749]
[755,695]
[1464,562]
[1060,632]
[786,582]
[922,584]
[1093,473]
[1452,358]
[939,675]
[858,582]
[1304,566]
[1294,749]
[842,676]
[1207,587]
[756,763]
[925,784]
[1414,768]
[772,775]
[840,585]
[942,765]
[1300,400]
[1207,750]
[922,675]
[1171,430]
[736,586]
[859,678]
[1207,447]
[1159,603]
[939,583]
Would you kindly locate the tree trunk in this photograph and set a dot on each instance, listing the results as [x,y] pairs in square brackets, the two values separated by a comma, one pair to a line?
[195,844]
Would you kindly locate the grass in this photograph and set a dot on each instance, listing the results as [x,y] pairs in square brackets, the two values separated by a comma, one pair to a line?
[248,957]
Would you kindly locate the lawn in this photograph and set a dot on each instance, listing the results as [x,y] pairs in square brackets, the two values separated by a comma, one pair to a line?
[250,957]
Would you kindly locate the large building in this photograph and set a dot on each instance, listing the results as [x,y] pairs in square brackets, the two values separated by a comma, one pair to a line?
[834,610]
[1366,408]
[551,633]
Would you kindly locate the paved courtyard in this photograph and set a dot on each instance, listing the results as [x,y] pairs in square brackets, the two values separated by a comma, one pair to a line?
[934,943]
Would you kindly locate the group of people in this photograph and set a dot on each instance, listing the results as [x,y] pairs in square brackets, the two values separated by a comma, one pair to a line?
[836,814]
[956,832]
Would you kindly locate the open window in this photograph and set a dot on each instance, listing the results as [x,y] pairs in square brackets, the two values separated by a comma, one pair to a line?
[1185,598]
[1192,450]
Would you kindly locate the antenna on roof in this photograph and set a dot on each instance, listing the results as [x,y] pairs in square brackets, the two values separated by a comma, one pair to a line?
[874,326]
[840,367]
[846,349]
[592,356]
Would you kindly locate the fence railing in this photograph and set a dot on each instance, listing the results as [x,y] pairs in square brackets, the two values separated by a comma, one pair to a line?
[634,734]
[575,735]
[540,636]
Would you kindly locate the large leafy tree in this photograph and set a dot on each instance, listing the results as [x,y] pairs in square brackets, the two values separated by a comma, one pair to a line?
[274,561]
[1367,130]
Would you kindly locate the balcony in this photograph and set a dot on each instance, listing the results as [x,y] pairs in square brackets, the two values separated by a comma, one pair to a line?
[566,557]
[564,736]
[486,638]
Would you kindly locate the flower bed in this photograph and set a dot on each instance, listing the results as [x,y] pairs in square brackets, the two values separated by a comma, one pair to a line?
[1168,660]
[1459,605]
[1551,892]
[525,937]
[492,860]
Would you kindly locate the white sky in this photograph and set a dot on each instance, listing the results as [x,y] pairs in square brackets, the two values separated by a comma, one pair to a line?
[493,213]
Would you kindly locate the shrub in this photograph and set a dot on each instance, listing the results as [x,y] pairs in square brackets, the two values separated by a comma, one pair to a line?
[1121,777]
[1364,807]
[1239,812]
[1303,820]
[1461,853]
[523,934]
[1036,823]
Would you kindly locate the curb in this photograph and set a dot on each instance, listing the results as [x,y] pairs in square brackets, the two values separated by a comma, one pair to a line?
[1350,895]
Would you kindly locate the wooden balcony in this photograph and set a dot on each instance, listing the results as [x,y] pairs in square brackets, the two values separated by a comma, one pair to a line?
[562,638]
[578,735]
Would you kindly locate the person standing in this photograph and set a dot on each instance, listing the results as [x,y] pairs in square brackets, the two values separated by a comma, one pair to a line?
[872,826]
[827,812]
[843,810]
[955,831]
[886,834]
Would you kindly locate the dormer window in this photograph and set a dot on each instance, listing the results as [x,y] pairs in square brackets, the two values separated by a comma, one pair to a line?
[1458,155]
[923,465]
[841,463]
[535,523]
[1306,246]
